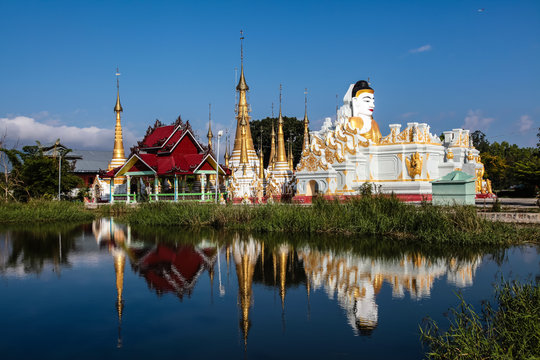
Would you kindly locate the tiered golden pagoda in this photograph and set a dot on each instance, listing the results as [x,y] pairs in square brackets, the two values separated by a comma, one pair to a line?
[119,157]
[245,184]
[280,175]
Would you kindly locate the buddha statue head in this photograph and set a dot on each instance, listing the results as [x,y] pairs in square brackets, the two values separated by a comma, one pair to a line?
[363,99]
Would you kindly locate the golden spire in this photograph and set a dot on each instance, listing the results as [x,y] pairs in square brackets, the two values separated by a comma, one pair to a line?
[210,135]
[243,145]
[118,152]
[227,152]
[272,158]
[242,107]
[290,159]
[261,169]
[281,156]
[305,148]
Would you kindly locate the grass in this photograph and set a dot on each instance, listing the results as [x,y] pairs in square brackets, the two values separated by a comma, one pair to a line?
[43,211]
[510,329]
[375,216]
[378,216]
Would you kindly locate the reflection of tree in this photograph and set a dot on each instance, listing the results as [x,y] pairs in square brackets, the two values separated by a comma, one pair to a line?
[33,247]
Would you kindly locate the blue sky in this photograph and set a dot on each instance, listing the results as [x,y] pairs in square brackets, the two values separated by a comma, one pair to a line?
[440,62]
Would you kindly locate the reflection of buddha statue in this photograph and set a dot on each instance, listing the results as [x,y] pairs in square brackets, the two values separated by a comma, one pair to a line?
[363,104]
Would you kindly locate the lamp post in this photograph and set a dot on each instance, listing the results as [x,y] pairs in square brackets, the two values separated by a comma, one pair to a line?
[220,133]
[59,173]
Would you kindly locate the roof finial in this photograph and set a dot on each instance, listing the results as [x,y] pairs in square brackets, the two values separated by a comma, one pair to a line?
[305,101]
[280,88]
[118,107]
[272,110]
[241,47]
[242,83]
[210,135]
[305,147]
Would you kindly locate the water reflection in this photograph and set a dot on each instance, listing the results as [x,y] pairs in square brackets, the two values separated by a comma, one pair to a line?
[28,250]
[354,280]
[110,277]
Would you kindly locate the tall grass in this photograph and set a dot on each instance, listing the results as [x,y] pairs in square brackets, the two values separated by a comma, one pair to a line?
[510,329]
[368,216]
[41,211]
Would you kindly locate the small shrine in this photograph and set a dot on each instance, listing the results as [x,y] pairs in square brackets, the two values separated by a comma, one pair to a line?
[343,155]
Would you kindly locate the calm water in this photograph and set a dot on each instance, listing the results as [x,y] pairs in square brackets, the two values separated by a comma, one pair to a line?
[105,290]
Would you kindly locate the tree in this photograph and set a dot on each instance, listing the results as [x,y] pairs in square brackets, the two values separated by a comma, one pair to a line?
[292,129]
[37,174]
[480,141]
[496,169]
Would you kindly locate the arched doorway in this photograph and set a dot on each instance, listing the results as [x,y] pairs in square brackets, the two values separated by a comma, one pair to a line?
[312,188]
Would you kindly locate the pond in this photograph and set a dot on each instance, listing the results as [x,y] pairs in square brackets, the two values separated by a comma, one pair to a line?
[107,290]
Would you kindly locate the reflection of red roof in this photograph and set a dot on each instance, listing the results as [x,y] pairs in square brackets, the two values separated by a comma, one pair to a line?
[173,268]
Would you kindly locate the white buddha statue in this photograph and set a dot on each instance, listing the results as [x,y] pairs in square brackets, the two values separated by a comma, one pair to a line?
[357,111]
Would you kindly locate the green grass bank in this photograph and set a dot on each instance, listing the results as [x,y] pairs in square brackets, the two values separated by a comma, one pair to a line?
[507,329]
[378,216]
[44,211]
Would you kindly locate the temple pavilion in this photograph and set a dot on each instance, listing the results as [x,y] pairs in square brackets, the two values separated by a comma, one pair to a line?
[169,163]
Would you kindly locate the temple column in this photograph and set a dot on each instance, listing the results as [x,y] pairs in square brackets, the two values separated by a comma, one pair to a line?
[203,180]
[128,188]
[156,187]
[175,188]
[184,184]
[111,197]
[197,184]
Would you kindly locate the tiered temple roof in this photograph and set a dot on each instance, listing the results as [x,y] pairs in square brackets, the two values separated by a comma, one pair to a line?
[168,150]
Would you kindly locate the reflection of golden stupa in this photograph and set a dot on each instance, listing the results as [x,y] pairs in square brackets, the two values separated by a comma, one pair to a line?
[245,258]
[283,253]
[119,264]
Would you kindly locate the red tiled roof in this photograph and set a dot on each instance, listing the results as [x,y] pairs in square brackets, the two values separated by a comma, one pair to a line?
[172,141]
[160,133]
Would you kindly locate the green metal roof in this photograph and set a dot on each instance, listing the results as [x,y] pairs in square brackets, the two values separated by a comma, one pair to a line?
[455,177]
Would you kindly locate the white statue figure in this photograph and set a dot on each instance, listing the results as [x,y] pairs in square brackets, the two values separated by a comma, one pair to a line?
[357,111]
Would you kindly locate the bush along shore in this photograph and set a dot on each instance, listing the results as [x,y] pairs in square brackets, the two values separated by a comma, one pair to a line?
[374,216]
[379,216]
[42,211]
[509,329]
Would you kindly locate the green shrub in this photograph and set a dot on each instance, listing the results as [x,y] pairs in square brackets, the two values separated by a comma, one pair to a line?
[508,330]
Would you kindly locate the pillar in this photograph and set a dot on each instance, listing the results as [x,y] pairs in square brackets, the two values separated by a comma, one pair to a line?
[128,189]
[111,197]
[203,180]
[175,187]
[156,187]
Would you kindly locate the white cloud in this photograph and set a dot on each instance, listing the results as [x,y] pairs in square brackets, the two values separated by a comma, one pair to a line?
[476,121]
[421,49]
[408,114]
[525,123]
[23,130]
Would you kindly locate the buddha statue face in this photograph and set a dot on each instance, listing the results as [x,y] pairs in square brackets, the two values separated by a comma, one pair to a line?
[363,104]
